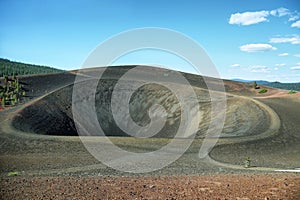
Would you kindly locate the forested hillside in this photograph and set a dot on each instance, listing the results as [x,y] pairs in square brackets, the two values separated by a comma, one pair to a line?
[10,68]
[285,86]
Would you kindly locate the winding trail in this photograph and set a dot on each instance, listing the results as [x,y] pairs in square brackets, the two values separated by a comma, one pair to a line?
[282,129]
[273,130]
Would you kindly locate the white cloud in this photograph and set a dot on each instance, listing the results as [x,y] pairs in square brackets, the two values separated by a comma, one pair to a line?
[273,12]
[293,18]
[257,47]
[280,64]
[259,68]
[293,40]
[283,54]
[295,68]
[280,12]
[248,18]
[297,55]
[296,24]
[276,68]
[235,65]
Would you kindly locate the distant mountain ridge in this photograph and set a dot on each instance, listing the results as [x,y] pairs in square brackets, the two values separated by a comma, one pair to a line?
[10,68]
[262,82]
[276,84]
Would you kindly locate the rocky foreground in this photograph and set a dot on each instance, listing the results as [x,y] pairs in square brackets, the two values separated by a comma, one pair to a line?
[239,187]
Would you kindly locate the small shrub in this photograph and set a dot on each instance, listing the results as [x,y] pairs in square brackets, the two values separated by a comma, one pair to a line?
[292,92]
[2,102]
[263,91]
[14,173]
[254,84]
[247,162]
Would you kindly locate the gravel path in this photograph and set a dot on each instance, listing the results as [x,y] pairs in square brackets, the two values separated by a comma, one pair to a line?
[278,151]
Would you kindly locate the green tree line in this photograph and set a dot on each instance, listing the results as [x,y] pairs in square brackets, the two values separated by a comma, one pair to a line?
[10,68]
[285,86]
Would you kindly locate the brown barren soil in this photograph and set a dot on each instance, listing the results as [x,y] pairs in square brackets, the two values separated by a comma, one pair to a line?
[239,187]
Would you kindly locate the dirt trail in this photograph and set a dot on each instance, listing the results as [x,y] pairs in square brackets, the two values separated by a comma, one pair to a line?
[279,151]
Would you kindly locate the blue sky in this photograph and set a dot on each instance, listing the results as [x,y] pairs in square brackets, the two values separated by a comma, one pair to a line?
[249,39]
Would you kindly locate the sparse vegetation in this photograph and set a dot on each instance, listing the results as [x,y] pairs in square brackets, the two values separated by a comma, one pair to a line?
[254,84]
[292,92]
[11,91]
[262,91]
[247,162]
[13,173]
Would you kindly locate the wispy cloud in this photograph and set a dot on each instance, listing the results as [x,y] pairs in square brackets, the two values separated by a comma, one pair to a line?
[283,54]
[259,68]
[280,64]
[297,55]
[293,18]
[257,47]
[248,18]
[295,68]
[293,40]
[235,65]
[255,17]
[296,24]
[280,12]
